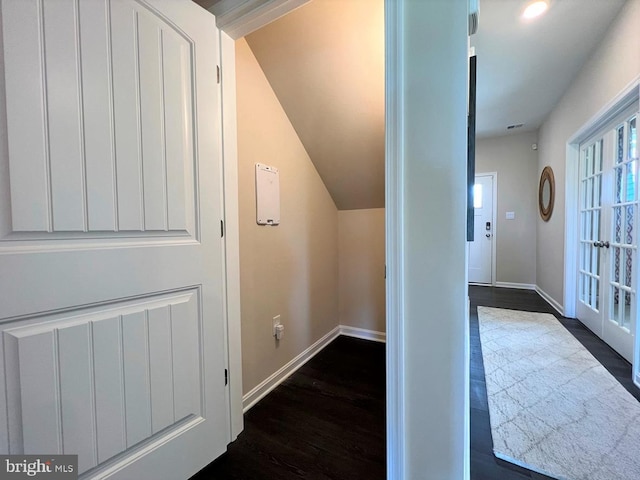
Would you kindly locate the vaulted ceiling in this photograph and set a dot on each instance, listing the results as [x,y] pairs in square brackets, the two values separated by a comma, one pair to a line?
[325,62]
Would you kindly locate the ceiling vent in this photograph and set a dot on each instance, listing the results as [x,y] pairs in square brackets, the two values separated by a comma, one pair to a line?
[515,125]
[474,9]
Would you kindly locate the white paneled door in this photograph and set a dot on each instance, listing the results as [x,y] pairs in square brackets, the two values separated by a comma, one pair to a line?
[111,269]
[608,243]
[481,249]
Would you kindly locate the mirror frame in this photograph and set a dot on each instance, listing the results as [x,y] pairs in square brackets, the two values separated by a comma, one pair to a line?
[546,176]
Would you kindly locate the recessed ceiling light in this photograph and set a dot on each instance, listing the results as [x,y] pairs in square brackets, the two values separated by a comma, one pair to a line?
[535,9]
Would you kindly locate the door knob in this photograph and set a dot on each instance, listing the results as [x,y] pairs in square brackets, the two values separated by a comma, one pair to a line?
[604,244]
[488,235]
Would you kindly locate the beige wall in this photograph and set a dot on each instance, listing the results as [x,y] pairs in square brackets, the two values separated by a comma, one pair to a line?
[516,163]
[614,64]
[361,268]
[291,269]
[325,62]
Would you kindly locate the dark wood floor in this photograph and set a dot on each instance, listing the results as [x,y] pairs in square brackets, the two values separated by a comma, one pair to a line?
[484,465]
[327,421]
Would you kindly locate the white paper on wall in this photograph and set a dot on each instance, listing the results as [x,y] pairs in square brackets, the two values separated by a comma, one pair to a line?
[267,195]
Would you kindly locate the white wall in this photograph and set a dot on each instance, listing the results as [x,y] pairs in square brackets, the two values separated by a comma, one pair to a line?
[361,297]
[426,226]
[516,163]
[614,64]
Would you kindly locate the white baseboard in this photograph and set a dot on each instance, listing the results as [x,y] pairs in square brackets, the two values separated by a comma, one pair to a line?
[264,388]
[521,286]
[363,333]
[260,391]
[550,300]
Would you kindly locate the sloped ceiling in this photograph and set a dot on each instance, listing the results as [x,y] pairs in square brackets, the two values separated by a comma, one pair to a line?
[325,62]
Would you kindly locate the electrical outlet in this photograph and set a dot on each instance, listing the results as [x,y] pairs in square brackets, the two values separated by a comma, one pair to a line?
[276,322]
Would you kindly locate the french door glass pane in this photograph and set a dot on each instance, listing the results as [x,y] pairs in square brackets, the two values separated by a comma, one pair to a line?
[633,139]
[618,187]
[626,321]
[600,155]
[629,226]
[631,181]
[620,145]
[628,266]
[615,305]
[591,223]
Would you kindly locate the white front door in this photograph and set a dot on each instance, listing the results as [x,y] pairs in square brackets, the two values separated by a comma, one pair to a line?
[111,269]
[481,249]
[608,235]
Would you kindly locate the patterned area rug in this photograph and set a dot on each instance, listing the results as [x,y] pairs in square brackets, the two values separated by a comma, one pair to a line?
[553,407]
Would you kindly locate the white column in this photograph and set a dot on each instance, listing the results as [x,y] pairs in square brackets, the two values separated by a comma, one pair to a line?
[426,89]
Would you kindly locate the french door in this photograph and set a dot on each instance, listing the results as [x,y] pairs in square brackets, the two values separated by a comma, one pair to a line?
[607,267]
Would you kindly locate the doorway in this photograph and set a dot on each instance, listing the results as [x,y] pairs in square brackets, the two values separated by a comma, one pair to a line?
[482,249]
[607,243]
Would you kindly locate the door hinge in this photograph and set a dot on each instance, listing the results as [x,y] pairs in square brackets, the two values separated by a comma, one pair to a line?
[226,377]
[218,73]
[221,228]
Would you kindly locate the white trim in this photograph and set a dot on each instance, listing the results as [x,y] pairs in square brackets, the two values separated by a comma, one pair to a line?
[520,286]
[571,228]
[241,17]
[269,384]
[550,300]
[394,235]
[260,391]
[363,333]
[232,230]
[494,222]
[607,114]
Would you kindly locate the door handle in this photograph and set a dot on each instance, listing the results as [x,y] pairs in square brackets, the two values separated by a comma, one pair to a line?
[488,235]
[598,244]
[604,244]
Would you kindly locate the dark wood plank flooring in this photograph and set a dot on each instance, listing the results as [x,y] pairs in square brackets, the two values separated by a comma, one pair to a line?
[484,465]
[326,421]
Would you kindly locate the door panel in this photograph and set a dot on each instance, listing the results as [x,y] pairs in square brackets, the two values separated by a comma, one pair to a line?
[109,160]
[118,364]
[111,272]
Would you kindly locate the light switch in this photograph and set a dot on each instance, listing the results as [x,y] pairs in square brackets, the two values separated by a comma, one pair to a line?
[511,215]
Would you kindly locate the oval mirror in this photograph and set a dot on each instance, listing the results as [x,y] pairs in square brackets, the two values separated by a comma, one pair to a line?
[546,193]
